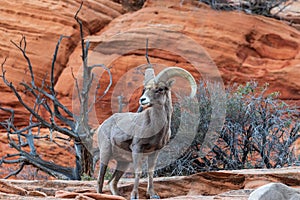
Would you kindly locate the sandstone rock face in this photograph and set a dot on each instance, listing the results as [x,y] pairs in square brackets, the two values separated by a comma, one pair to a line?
[260,48]
[243,47]
[42,23]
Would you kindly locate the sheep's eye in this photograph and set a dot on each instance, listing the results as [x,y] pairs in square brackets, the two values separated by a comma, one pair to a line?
[159,90]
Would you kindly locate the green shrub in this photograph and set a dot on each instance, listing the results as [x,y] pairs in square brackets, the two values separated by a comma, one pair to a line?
[86,177]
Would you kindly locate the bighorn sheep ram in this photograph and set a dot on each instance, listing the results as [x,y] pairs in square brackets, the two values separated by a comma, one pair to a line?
[130,137]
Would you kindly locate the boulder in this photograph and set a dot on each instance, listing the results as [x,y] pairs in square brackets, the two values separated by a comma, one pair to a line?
[275,191]
[289,11]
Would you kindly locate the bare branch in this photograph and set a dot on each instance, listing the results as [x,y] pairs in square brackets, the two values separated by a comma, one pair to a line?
[2,67]
[120,102]
[36,115]
[14,173]
[77,85]
[53,63]
[146,55]
[23,50]
[20,131]
[81,35]
[110,79]
[3,159]
[11,119]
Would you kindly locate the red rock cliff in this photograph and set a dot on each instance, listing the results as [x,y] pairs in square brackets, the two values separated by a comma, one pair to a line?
[243,47]
[42,23]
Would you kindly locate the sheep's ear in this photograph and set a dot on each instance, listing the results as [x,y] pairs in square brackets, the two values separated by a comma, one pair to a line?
[170,83]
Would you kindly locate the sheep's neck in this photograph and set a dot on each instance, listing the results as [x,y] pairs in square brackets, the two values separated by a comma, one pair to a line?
[159,113]
[162,113]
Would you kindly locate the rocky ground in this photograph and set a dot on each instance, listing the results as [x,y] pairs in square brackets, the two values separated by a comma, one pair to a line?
[225,185]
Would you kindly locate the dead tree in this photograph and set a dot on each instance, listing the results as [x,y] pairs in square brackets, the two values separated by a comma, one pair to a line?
[61,119]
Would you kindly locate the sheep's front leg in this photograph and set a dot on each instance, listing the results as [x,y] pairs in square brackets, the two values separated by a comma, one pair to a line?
[151,166]
[137,164]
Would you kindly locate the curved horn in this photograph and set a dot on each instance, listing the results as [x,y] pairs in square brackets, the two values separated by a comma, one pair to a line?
[171,72]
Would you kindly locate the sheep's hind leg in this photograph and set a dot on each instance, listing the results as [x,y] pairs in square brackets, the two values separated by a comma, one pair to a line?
[100,179]
[152,158]
[105,154]
[118,173]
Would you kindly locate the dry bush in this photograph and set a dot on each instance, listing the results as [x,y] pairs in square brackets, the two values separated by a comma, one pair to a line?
[258,7]
[259,132]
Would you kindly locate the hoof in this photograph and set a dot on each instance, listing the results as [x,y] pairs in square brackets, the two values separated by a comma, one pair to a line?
[154,197]
[134,197]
